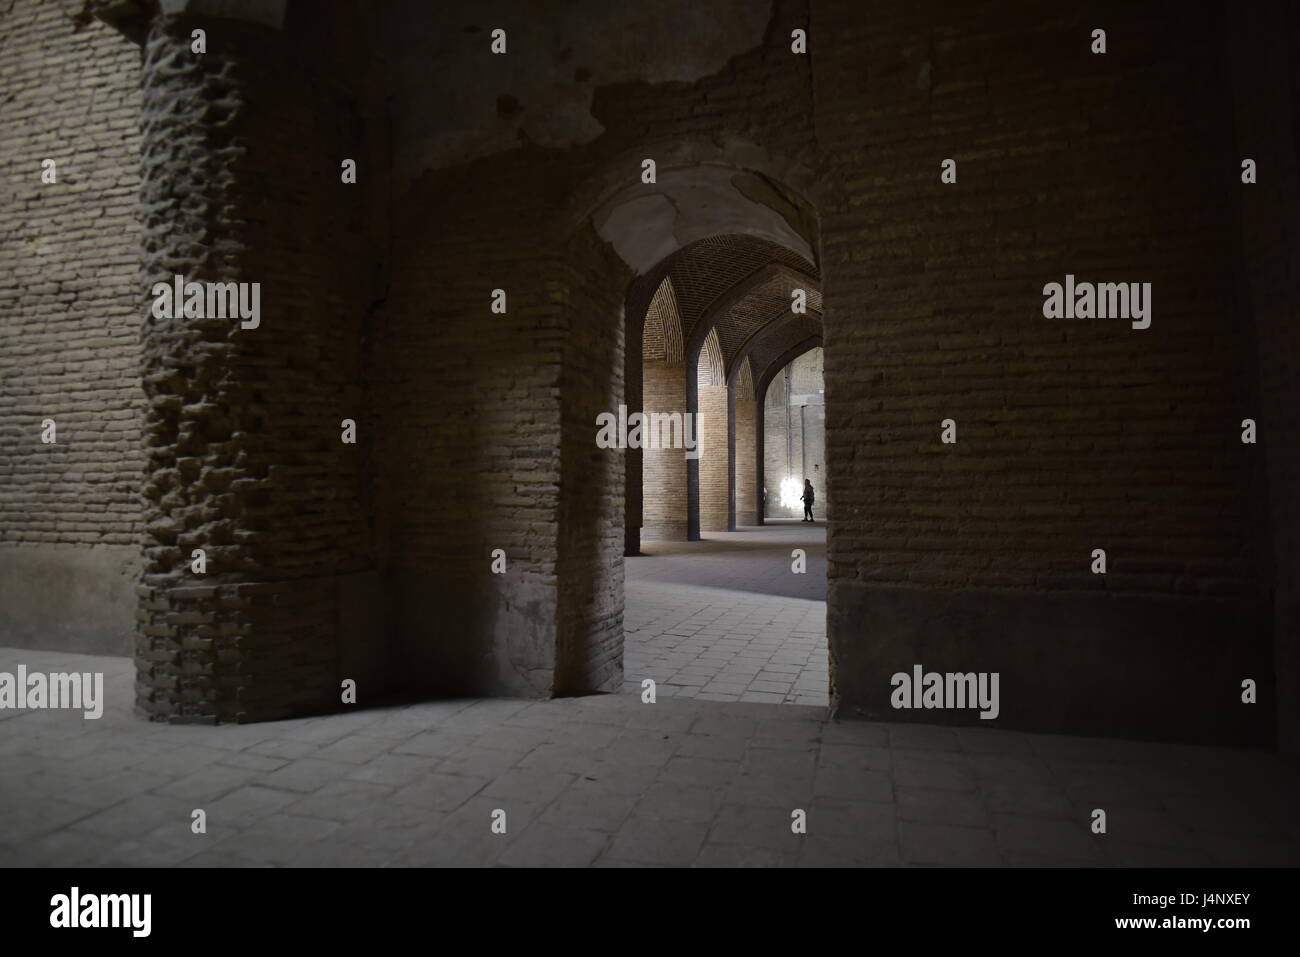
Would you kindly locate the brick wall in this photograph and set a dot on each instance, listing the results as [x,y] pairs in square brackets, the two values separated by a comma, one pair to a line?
[813,414]
[776,446]
[808,373]
[715,475]
[589,653]
[747,486]
[69,330]
[469,457]
[795,435]
[664,505]
[1134,426]
[1073,435]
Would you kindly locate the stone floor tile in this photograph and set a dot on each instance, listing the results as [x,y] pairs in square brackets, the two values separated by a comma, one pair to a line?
[673,843]
[550,845]
[948,846]
[605,780]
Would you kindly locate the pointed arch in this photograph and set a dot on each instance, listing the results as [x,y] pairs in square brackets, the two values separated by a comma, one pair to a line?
[744,380]
[661,337]
[710,369]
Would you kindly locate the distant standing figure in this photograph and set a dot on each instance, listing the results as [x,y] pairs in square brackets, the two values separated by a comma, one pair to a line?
[808,497]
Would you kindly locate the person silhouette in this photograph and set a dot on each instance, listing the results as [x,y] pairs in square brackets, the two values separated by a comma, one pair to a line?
[808,497]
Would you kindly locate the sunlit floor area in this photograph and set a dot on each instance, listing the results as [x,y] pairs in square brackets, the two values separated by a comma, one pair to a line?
[729,618]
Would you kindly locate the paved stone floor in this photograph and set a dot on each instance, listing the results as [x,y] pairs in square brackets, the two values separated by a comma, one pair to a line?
[609,781]
[726,619]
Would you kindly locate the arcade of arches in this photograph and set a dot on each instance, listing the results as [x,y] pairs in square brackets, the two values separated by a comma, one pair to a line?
[475,539]
[730,335]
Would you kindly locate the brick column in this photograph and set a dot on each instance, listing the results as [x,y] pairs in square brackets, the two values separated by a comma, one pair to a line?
[747,487]
[664,498]
[242,430]
[715,494]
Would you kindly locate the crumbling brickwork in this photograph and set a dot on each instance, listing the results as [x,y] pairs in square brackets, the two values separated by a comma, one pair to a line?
[244,428]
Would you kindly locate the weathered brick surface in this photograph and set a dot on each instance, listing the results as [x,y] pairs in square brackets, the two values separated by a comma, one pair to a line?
[242,436]
[69,317]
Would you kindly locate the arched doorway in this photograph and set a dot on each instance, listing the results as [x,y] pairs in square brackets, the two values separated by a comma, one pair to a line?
[706,316]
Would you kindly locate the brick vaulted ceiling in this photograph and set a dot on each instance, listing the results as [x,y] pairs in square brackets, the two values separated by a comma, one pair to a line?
[741,287]
[780,343]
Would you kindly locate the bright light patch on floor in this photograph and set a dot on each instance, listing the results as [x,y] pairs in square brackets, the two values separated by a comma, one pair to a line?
[791,493]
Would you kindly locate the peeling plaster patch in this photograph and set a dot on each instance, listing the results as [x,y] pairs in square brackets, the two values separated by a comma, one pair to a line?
[759,189]
[646,223]
[451,115]
[641,230]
